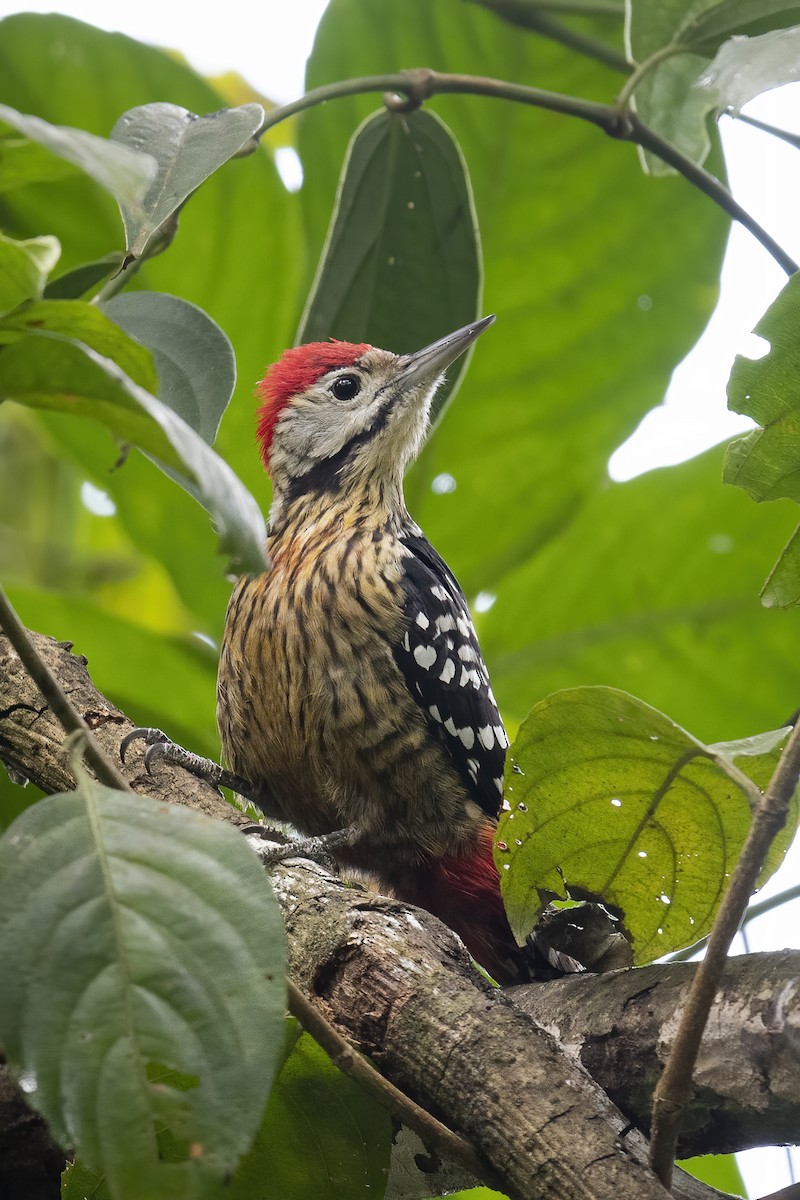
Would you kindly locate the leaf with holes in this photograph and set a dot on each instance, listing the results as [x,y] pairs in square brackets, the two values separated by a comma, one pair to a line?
[401,265]
[610,799]
[321,1136]
[145,995]
[186,149]
[194,358]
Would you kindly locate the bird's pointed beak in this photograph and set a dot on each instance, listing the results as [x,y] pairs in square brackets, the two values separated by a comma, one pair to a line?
[424,366]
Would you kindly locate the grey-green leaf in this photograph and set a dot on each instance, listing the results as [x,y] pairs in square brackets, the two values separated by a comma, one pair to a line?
[611,799]
[401,265]
[194,358]
[24,267]
[186,148]
[142,995]
[52,372]
[124,172]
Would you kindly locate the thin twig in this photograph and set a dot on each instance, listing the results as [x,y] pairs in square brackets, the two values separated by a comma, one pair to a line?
[792,138]
[433,1133]
[422,83]
[674,1088]
[56,697]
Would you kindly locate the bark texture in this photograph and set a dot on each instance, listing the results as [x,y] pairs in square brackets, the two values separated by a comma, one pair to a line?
[399,984]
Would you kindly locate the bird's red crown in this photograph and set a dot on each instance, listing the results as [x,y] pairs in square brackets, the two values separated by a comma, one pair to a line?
[296,370]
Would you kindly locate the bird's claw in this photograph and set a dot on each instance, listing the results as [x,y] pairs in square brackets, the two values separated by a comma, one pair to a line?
[152,738]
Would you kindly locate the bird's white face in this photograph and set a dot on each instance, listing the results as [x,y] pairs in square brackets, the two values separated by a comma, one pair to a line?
[355,421]
[339,416]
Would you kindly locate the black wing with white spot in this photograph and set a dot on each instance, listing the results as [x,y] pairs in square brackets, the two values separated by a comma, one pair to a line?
[445,672]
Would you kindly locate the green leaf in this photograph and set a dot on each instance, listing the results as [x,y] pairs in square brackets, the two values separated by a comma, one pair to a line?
[79,1183]
[51,373]
[24,267]
[654,589]
[782,586]
[665,98]
[719,1170]
[401,265]
[321,1136]
[766,462]
[82,322]
[23,161]
[668,98]
[246,278]
[124,172]
[707,25]
[588,328]
[186,148]
[745,67]
[128,954]
[74,284]
[194,359]
[612,800]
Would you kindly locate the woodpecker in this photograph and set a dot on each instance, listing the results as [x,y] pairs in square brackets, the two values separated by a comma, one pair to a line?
[351,683]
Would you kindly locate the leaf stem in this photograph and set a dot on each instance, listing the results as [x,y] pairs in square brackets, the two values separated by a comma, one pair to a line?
[433,1133]
[674,1088]
[421,83]
[56,697]
[642,69]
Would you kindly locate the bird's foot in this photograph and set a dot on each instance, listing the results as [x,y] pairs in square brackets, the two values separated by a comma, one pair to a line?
[319,849]
[161,749]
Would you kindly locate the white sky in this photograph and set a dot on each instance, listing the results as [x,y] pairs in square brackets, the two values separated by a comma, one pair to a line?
[268,44]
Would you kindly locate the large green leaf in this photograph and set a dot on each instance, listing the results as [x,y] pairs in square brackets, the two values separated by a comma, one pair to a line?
[611,800]
[187,149]
[144,995]
[321,1136]
[54,372]
[401,266]
[589,328]
[245,276]
[654,589]
[194,359]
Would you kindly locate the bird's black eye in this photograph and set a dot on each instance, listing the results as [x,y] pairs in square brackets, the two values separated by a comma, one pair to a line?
[346,386]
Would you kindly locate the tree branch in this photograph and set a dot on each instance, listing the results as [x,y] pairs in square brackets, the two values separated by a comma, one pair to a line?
[396,984]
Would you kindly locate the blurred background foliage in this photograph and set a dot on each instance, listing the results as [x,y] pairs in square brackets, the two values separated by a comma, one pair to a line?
[602,279]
